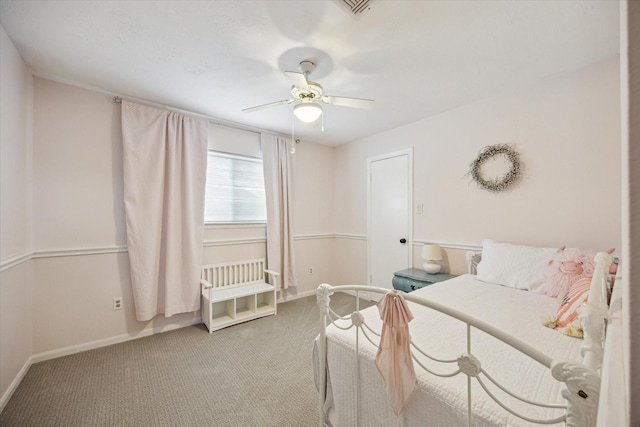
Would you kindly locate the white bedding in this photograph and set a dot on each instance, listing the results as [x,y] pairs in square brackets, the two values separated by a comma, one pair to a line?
[442,401]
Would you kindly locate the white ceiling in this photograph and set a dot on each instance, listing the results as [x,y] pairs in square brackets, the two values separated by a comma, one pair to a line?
[414,58]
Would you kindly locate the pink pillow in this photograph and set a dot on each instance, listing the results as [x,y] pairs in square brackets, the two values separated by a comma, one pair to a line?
[567,267]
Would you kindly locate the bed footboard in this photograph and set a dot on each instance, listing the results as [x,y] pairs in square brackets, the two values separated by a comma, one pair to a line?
[581,380]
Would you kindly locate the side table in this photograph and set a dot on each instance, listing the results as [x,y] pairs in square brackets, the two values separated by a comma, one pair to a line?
[415,278]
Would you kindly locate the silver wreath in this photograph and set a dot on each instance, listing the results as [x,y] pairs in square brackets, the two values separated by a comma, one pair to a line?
[501,183]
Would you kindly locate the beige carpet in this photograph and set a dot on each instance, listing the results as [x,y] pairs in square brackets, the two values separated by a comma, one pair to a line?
[258,373]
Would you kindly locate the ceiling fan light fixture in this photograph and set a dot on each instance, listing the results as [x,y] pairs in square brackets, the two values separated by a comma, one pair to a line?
[307,112]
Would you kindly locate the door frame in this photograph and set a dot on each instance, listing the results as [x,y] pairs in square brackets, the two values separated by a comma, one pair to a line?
[409,153]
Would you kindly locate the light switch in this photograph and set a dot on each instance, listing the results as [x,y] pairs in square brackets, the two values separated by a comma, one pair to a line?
[420,208]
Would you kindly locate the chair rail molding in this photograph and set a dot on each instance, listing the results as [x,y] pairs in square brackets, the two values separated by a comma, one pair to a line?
[460,246]
[16,260]
[13,261]
[53,253]
[313,236]
[350,236]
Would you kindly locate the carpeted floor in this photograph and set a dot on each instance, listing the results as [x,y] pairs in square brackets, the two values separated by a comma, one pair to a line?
[258,373]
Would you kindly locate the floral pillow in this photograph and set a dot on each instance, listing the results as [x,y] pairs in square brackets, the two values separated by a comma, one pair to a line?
[567,319]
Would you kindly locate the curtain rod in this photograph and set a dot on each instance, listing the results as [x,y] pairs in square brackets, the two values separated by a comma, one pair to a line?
[212,120]
[118,100]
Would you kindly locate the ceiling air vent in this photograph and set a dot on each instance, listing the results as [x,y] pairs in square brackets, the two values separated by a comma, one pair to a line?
[356,8]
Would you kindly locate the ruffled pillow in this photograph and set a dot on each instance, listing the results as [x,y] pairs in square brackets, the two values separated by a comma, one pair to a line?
[567,267]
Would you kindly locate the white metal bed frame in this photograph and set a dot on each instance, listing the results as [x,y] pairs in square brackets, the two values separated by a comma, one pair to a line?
[582,380]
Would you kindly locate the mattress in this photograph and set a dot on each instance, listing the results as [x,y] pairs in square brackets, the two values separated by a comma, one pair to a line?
[443,401]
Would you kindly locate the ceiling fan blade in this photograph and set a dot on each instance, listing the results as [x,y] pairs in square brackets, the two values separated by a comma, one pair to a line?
[272,104]
[348,102]
[299,80]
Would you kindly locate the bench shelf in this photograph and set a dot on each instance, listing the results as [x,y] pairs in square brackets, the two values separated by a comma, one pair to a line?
[236,292]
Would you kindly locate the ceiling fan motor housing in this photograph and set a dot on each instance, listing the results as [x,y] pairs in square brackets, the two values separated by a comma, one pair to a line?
[315,92]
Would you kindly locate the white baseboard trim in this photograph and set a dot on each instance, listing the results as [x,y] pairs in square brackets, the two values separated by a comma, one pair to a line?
[47,355]
[363,295]
[66,351]
[15,383]
[313,292]
[306,294]
[295,297]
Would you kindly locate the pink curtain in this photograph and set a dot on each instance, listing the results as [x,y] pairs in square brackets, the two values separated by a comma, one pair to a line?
[165,165]
[278,163]
[394,360]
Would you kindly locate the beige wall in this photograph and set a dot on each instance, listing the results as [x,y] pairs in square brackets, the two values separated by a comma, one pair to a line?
[313,216]
[16,86]
[78,206]
[566,130]
[15,133]
[77,169]
[313,204]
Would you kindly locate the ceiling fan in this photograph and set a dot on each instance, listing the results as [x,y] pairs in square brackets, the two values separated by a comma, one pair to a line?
[305,92]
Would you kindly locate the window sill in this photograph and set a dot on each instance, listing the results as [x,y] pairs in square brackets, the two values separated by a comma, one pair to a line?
[230,225]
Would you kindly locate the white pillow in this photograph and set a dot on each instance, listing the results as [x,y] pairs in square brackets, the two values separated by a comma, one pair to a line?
[520,267]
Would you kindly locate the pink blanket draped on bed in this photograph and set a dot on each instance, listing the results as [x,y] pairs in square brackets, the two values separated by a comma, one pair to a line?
[393,359]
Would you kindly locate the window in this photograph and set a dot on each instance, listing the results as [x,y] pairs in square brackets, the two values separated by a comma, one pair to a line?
[235,189]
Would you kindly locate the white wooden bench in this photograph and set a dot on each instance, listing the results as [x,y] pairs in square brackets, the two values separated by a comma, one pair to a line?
[236,292]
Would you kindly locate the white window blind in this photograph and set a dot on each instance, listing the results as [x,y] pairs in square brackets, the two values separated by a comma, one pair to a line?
[235,189]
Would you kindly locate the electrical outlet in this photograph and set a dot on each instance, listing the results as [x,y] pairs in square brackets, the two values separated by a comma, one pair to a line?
[310,270]
[117,303]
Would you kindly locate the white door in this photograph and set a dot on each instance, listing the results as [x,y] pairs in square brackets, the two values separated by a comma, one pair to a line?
[390,216]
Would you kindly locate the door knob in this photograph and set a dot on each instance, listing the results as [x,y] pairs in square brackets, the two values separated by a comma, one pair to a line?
[403,241]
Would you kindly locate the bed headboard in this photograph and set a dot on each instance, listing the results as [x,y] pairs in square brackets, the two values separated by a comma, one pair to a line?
[473,258]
